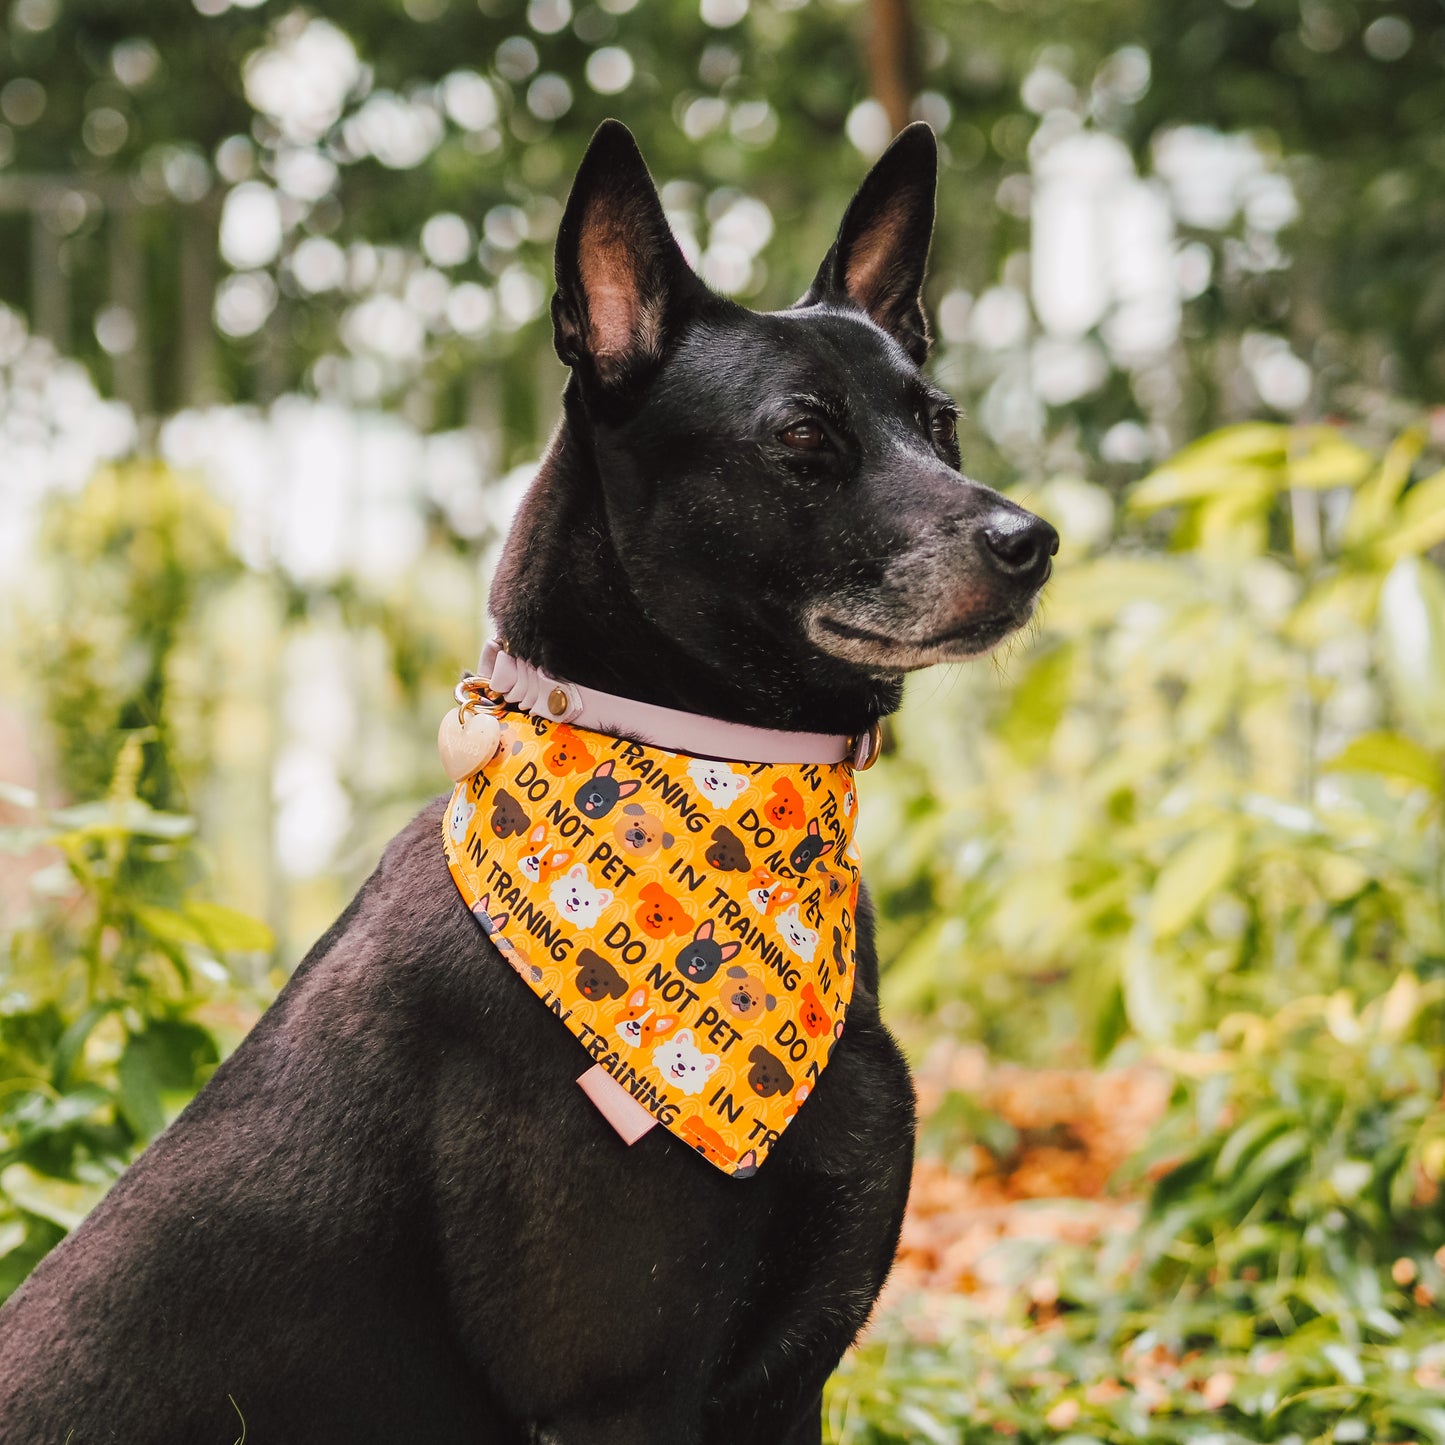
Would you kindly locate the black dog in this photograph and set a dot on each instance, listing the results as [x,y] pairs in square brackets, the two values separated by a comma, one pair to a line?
[392,1215]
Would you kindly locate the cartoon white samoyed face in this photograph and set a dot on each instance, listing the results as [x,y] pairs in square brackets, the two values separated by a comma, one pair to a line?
[458,819]
[576,900]
[683,1064]
[718,784]
[796,934]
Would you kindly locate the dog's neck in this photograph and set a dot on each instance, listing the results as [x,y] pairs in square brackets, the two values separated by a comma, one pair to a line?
[562,601]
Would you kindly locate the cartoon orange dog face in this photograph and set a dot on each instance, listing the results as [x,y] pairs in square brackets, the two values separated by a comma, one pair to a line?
[640,832]
[660,914]
[708,1142]
[784,808]
[812,1015]
[568,753]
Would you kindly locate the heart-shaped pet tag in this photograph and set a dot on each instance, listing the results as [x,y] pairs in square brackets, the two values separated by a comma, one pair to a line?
[467,741]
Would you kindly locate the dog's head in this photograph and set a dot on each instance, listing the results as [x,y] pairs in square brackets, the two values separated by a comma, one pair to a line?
[781,492]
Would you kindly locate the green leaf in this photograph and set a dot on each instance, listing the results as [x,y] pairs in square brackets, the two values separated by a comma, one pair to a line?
[1191,877]
[228,930]
[1374,502]
[1412,644]
[1329,460]
[1038,702]
[72,1041]
[1421,522]
[62,1201]
[1390,755]
[160,1070]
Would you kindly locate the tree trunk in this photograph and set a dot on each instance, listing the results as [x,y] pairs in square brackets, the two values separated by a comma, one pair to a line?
[891,59]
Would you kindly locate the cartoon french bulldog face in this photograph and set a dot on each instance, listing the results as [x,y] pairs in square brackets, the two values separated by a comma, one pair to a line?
[602,792]
[458,818]
[743,996]
[639,1023]
[784,808]
[543,861]
[812,1015]
[577,902]
[767,1075]
[726,851]
[491,924]
[796,934]
[719,786]
[702,958]
[682,1064]
[641,832]
[568,753]
[807,849]
[596,978]
[660,914]
[508,819]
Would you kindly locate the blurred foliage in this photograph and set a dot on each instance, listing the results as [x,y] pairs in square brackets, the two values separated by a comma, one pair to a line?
[1213,781]
[1284,1285]
[116,1003]
[395,173]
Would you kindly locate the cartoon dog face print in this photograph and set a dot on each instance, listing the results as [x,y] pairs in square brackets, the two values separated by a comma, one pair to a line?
[660,914]
[769,892]
[490,924]
[841,951]
[808,848]
[719,786]
[601,793]
[542,862]
[682,1064]
[767,1075]
[708,1142]
[784,808]
[743,996]
[726,851]
[508,819]
[577,902]
[747,1165]
[812,1015]
[702,958]
[796,934]
[459,817]
[641,832]
[596,978]
[639,1023]
[568,753]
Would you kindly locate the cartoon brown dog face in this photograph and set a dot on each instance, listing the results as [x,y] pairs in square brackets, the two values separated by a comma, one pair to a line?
[507,815]
[784,808]
[767,1075]
[743,996]
[568,753]
[596,978]
[726,851]
[641,832]
[660,914]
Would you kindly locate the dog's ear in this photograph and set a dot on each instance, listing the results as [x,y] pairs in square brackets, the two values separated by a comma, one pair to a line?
[622,282]
[877,262]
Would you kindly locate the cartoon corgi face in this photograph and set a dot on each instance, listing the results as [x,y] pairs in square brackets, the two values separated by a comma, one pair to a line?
[659,913]
[457,820]
[568,753]
[702,958]
[812,1015]
[542,862]
[577,902]
[602,792]
[641,832]
[682,1064]
[796,934]
[784,808]
[716,782]
[743,996]
[639,1023]
[807,849]
[769,892]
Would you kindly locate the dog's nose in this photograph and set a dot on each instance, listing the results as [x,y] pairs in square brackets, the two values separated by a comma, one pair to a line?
[1020,544]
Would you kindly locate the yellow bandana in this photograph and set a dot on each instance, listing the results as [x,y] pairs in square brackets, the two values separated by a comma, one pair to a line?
[690,921]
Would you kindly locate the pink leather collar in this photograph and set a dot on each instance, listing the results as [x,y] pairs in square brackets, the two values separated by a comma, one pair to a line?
[532,690]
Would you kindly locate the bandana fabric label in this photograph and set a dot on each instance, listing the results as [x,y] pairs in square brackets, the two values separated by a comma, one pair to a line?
[690,921]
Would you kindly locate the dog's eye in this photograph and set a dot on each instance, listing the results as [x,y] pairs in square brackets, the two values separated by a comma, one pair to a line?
[804,436]
[945,429]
